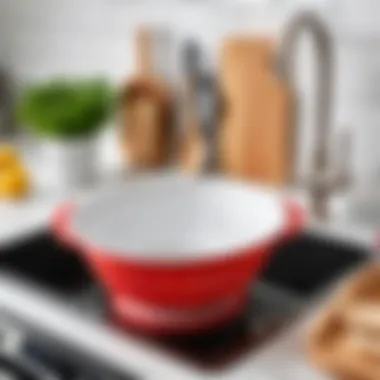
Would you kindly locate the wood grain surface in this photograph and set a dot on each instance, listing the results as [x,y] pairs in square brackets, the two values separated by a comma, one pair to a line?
[146,130]
[255,140]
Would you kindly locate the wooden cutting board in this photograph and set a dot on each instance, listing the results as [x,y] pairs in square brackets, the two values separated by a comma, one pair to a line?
[256,135]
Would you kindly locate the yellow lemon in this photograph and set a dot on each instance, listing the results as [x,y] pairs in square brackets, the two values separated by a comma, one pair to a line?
[14,182]
[8,156]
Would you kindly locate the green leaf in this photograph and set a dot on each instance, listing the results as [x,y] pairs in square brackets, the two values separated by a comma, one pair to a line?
[66,109]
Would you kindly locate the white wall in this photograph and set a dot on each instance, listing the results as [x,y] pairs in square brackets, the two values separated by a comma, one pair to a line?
[79,36]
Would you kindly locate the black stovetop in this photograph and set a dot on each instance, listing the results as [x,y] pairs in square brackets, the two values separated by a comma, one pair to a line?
[297,271]
[303,266]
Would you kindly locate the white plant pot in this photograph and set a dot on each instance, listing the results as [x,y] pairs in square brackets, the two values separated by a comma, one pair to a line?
[70,164]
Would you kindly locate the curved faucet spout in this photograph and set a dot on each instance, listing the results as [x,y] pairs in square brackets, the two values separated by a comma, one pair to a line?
[321,182]
[311,23]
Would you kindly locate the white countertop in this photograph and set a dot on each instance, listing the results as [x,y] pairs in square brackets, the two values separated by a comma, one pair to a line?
[282,359]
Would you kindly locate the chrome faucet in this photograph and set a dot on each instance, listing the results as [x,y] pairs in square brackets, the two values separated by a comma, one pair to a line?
[324,180]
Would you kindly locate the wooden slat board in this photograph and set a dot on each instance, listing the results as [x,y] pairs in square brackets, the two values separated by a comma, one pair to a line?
[255,133]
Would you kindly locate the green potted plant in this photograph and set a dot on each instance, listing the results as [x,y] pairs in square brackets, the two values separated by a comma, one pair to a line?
[67,114]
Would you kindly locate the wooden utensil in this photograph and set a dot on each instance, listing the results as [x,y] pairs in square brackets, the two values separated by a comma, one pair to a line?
[147,112]
[255,140]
